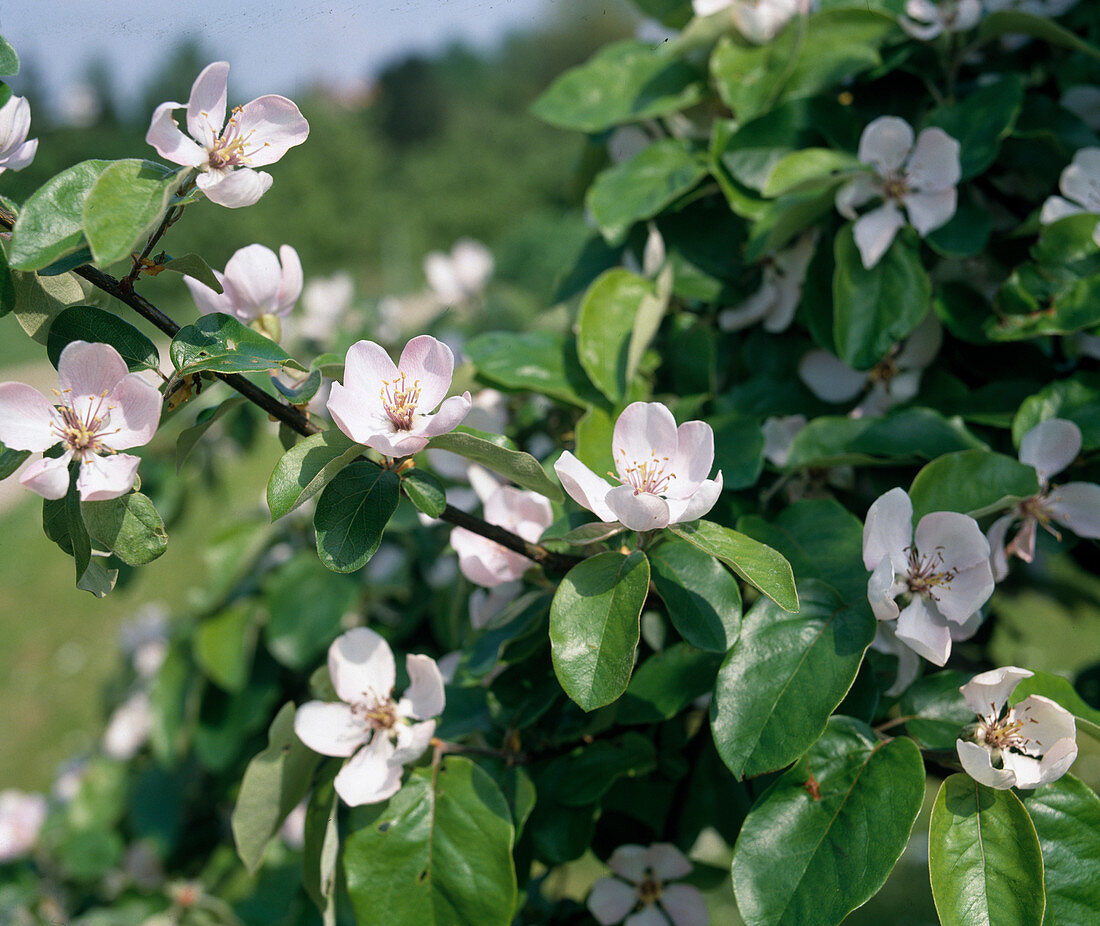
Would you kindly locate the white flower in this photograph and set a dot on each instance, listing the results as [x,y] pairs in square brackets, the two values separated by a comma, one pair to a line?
[21,819]
[640,895]
[921,176]
[758,21]
[293,830]
[1080,184]
[145,639]
[461,275]
[488,564]
[925,20]
[379,733]
[942,573]
[257,134]
[663,470]
[1083,101]
[100,409]
[388,406]
[15,121]
[780,290]
[255,284]
[129,727]
[779,435]
[325,302]
[1050,447]
[1030,744]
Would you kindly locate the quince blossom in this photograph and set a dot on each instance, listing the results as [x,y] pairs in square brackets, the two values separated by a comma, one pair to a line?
[920,175]
[257,134]
[21,819]
[367,724]
[925,20]
[758,21]
[640,893]
[942,572]
[15,121]
[254,284]
[129,727]
[325,302]
[1029,744]
[1080,185]
[387,406]
[489,564]
[461,275]
[780,291]
[100,409]
[663,470]
[1050,447]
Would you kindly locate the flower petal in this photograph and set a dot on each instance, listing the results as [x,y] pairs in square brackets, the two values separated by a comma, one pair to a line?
[88,369]
[252,281]
[922,345]
[450,416]
[361,665]
[273,125]
[934,163]
[666,862]
[49,476]
[880,591]
[290,286]
[829,378]
[924,630]
[650,915]
[207,300]
[643,431]
[1045,722]
[690,465]
[703,499]
[424,698]
[1075,505]
[206,105]
[954,538]
[639,511]
[857,191]
[987,692]
[367,368]
[1055,208]
[875,231]
[885,143]
[888,530]
[684,905]
[26,418]
[629,862]
[135,413]
[909,663]
[998,561]
[170,143]
[751,310]
[412,740]
[611,900]
[430,363]
[486,563]
[1079,181]
[330,728]
[1050,447]
[368,777]
[978,764]
[967,591]
[101,478]
[236,188]
[929,210]
[585,488]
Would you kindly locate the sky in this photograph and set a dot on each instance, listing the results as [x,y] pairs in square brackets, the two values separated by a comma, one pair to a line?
[275,46]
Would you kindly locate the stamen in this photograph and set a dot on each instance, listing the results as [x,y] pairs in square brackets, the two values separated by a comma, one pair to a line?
[400,401]
[928,573]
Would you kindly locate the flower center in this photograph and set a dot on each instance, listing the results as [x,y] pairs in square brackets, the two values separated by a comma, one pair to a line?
[1035,507]
[400,399]
[1006,733]
[231,149]
[928,573]
[379,713]
[649,891]
[895,186]
[647,476]
[83,435]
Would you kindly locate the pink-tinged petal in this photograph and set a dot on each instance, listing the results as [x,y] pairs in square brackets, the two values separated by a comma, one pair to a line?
[644,430]
[397,444]
[15,123]
[486,605]
[430,363]
[998,561]
[170,143]
[1075,505]
[888,530]
[107,477]
[611,900]
[1050,447]
[89,369]
[629,862]
[967,591]
[922,345]
[273,125]
[526,513]
[666,862]
[1023,544]
[829,379]
[412,741]
[934,163]
[954,537]
[361,666]
[639,511]
[367,368]
[691,463]
[875,232]
[924,630]
[290,287]
[252,281]
[26,418]
[987,692]
[135,413]
[369,777]
[450,415]
[22,156]
[857,191]
[880,591]
[978,764]
[234,189]
[206,300]
[698,504]
[924,33]
[473,264]
[486,563]
[684,905]
[929,210]
[49,477]
[440,272]
[349,412]
[330,728]
[424,698]
[1045,722]
[206,106]
[649,915]
[885,143]
[909,663]
[583,486]
[758,305]
[1080,181]
[779,435]
[1055,208]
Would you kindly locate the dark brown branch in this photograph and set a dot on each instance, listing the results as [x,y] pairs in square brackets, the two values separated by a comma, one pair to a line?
[557,562]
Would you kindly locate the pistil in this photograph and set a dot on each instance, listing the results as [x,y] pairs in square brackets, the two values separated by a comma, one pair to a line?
[400,401]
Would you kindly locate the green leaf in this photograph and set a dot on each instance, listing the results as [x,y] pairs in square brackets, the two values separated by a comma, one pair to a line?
[822,839]
[1014,22]
[973,482]
[438,853]
[641,187]
[1059,689]
[738,449]
[538,361]
[306,604]
[647,321]
[40,299]
[50,224]
[521,468]
[586,534]
[352,513]
[11,460]
[424,491]
[594,626]
[605,326]
[624,82]
[809,169]
[273,784]
[223,645]
[984,857]
[9,60]
[194,266]
[1066,816]
[124,205]
[965,234]
[129,526]
[189,437]
[759,565]
[702,598]
[666,683]
[307,468]
[588,772]
[876,308]
[1076,398]
[785,675]
[321,849]
[87,323]
[592,437]
[63,523]
[221,344]
[982,121]
[936,709]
